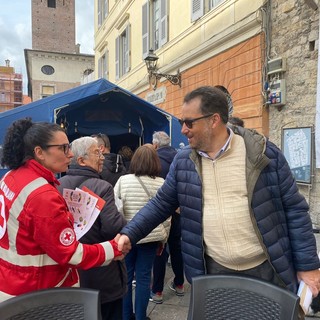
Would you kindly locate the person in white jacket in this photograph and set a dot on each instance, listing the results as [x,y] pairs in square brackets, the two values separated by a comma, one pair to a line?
[132,192]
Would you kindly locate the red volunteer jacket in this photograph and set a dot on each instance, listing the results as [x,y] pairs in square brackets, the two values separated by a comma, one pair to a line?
[38,247]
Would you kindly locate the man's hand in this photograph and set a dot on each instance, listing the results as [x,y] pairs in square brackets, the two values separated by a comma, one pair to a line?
[311,279]
[124,244]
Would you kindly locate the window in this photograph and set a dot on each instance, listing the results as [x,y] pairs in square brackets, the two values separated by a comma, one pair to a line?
[154,25]
[51,3]
[200,7]
[48,70]
[103,10]
[214,3]
[123,53]
[47,91]
[103,66]
[17,97]
[2,97]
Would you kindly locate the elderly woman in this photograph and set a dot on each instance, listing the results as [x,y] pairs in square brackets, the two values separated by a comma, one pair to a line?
[84,170]
[38,246]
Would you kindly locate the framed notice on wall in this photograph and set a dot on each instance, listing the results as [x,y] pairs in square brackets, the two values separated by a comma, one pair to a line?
[297,148]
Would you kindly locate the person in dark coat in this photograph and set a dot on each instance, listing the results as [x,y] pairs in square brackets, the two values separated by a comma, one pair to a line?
[166,153]
[126,152]
[113,167]
[111,280]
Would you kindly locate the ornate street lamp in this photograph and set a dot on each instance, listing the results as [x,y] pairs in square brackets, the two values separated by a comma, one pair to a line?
[151,62]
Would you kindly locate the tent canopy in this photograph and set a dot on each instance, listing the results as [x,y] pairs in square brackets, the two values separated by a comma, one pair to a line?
[100,107]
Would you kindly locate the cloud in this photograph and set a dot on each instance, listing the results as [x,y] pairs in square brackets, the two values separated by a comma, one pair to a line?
[84,25]
[15,31]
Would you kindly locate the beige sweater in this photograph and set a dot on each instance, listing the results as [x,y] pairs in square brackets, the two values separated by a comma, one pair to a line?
[229,235]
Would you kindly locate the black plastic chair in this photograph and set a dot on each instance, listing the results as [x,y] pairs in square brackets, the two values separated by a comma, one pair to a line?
[53,304]
[234,297]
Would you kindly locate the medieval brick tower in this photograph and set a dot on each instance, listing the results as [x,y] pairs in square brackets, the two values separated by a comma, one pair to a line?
[54,64]
[53,25]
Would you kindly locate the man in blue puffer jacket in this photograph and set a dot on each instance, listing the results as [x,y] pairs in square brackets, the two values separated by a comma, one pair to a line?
[241,210]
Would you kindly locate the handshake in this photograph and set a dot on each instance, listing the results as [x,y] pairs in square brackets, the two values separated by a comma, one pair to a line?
[121,246]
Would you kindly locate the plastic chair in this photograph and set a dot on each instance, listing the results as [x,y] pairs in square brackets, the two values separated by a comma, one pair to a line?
[235,297]
[53,304]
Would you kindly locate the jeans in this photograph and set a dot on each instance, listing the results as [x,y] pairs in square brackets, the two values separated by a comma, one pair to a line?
[139,264]
[159,265]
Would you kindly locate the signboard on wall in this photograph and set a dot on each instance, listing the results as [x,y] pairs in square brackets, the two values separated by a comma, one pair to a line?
[297,148]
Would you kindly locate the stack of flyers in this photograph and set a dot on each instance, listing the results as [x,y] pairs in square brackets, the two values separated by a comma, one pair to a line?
[85,207]
[305,295]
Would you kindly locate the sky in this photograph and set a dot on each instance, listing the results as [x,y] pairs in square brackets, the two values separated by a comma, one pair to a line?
[15,31]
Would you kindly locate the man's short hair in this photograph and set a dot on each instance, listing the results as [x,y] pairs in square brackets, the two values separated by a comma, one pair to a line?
[103,140]
[161,138]
[213,100]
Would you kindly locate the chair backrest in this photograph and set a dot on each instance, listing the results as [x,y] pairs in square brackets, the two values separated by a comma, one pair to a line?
[237,297]
[53,304]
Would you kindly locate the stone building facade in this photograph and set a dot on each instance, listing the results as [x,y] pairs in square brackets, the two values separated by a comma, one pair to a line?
[295,38]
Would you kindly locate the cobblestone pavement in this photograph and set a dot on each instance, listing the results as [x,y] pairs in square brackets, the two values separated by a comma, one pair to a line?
[173,307]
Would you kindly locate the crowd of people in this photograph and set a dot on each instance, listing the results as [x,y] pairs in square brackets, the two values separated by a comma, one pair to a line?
[226,203]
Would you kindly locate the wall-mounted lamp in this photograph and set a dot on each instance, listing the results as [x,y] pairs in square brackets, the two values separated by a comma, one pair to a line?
[151,62]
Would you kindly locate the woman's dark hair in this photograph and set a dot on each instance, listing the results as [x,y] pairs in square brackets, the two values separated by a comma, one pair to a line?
[21,139]
[213,100]
[126,153]
[145,162]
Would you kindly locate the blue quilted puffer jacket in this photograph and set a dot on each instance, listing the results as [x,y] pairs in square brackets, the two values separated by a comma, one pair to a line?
[279,213]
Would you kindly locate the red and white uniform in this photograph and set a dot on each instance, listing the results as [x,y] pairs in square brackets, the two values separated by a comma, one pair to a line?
[38,247]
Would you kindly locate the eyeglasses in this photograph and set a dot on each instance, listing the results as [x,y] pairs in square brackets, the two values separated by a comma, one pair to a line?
[189,122]
[96,153]
[65,146]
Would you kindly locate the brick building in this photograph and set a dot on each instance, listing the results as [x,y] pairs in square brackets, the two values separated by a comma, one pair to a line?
[10,88]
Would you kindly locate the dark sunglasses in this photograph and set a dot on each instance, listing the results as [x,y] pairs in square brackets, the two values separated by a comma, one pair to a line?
[189,122]
[66,147]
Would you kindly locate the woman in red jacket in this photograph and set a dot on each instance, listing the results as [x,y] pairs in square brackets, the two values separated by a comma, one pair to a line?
[38,246]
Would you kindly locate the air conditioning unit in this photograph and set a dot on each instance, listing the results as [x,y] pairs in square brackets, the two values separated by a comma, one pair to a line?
[276,65]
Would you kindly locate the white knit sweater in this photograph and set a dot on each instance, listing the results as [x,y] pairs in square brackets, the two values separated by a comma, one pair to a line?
[229,235]
[134,197]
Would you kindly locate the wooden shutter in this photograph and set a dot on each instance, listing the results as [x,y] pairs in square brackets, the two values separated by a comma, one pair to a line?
[99,13]
[127,49]
[99,68]
[163,22]
[105,8]
[197,9]
[145,29]
[106,65]
[117,62]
